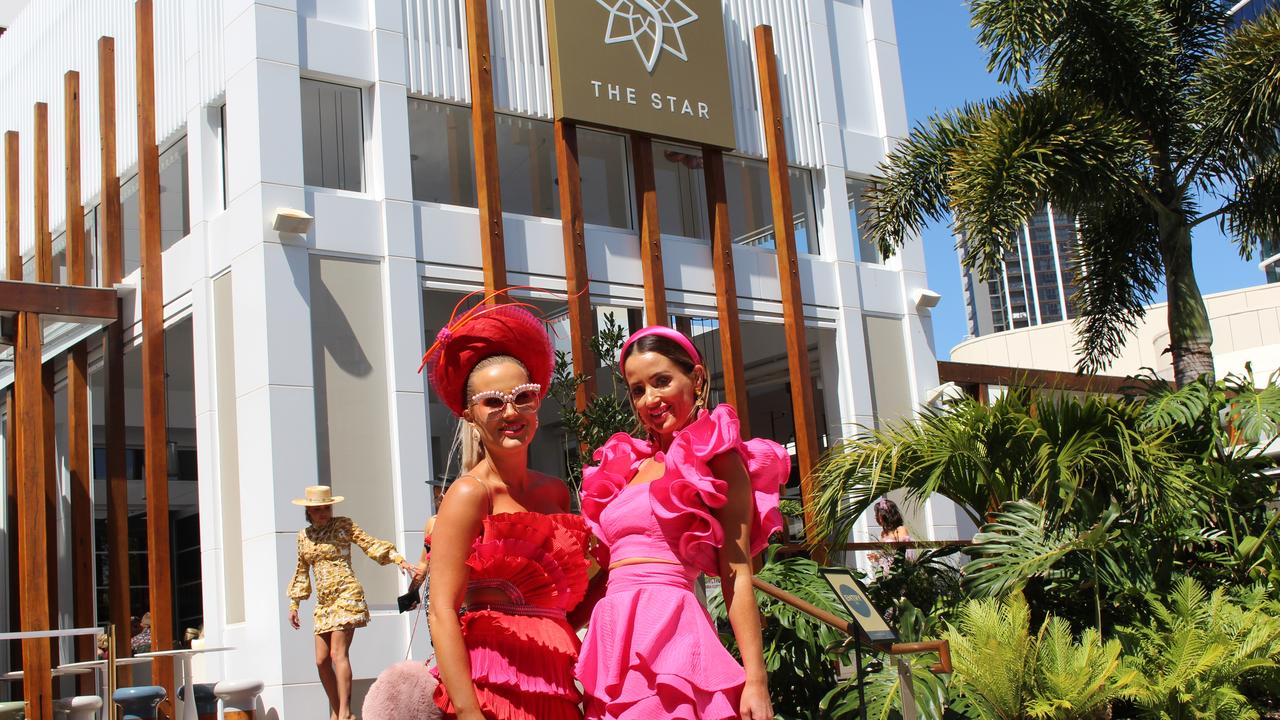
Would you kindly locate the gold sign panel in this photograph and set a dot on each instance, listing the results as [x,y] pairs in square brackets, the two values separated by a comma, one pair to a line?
[657,67]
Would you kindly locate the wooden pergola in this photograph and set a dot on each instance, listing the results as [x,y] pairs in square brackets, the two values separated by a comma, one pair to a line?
[26,308]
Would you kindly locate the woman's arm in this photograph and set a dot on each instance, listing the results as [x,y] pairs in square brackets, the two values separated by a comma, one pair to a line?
[299,587]
[735,583]
[424,560]
[380,551]
[458,524]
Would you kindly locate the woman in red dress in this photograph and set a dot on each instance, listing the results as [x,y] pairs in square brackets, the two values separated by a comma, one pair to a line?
[508,561]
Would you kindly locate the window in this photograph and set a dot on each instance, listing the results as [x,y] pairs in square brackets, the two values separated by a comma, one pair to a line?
[682,192]
[890,369]
[440,154]
[856,190]
[527,166]
[175,219]
[332,136]
[751,209]
[602,164]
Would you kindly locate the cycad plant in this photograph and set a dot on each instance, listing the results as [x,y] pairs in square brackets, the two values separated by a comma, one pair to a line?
[1005,672]
[1198,651]
[1141,118]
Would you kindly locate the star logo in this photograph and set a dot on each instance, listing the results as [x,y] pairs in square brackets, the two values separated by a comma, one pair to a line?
[650,25]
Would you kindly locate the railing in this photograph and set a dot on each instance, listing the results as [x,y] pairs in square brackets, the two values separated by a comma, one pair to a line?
[907,687]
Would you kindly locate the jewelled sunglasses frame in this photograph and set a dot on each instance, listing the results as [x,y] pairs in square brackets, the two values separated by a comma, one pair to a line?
[534,389]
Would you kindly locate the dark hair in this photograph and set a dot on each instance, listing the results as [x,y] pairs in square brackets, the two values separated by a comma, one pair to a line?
[888,516]
[666,347]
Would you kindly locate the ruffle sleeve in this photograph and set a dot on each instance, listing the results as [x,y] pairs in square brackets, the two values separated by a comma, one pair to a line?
[615,464]
[685,498]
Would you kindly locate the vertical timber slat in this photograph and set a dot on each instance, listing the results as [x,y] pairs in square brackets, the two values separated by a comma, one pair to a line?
[44,273]
[109,234]
[788,265]
[154,417]
[484,141]
[581,319]
[13,270]
[735,382]
[655,285]
[78,423]
[33,566]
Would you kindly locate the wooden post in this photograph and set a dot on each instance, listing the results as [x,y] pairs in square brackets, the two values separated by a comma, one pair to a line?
[484,141]
[109,234]
[78,420]
[33,563]
[582,321]
[735,381]
[44,274]
[13,270]
[788,266]
[154,417]
[650,231]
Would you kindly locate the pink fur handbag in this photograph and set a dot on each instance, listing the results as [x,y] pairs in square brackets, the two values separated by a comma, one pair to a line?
[402,692]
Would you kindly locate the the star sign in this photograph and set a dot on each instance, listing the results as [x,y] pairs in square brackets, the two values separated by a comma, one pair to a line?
[650,25]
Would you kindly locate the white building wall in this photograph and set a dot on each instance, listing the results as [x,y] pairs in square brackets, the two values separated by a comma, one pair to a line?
[244,60]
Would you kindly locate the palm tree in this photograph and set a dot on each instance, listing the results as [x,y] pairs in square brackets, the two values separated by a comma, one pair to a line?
[1127,114]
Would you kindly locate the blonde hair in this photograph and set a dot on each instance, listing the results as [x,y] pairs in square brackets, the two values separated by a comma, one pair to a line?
[467,439]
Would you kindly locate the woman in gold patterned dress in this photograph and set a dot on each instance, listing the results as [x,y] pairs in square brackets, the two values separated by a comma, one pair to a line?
[324,548]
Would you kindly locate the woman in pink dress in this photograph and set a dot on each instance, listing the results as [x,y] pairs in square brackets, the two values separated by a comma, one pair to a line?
[508,562]
[690,498]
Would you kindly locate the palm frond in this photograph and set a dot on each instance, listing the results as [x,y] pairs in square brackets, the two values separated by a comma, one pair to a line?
[1237,92]
[1254,214]
[1016,34]
[1117,272]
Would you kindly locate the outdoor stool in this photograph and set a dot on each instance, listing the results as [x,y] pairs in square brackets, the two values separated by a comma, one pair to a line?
[139,703]
[80,707]
[206,702]
[238,698]
[13,710]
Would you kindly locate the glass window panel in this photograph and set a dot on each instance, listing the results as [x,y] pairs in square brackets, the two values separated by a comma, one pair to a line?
[602,163]
[332,135]
[751,208]
[527,166]
[682,191]
[890,370]
[130,237]
[175,218]
[802,209]
[440,155]
[856,191]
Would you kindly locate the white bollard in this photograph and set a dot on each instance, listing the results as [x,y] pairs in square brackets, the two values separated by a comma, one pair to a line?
[237,699]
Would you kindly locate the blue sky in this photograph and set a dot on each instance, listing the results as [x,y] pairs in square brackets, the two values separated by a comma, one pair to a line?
[942,67]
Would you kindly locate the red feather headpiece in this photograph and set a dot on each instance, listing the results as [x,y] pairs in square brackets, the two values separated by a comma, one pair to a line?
[484,331]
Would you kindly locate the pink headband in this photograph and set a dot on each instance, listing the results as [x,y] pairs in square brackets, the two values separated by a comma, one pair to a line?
[661,331]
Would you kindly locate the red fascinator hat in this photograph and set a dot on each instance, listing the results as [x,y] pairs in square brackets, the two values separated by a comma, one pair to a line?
[482,332]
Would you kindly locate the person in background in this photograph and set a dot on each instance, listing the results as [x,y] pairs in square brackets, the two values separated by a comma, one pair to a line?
[892,530]
[324,549]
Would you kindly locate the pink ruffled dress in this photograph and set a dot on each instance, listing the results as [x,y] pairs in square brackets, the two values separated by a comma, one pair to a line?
[522,652]
[651,650]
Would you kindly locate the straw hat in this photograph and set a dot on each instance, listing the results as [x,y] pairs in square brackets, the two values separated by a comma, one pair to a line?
[318,495]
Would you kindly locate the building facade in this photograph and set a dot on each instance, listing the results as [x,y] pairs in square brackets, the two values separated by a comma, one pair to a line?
[1035,283]
[292,358]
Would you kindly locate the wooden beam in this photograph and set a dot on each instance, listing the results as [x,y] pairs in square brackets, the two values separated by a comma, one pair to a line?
[788,266]
[13,270]
[109,233]
[735,378]
[33,563]
[650,231]
[12,226]
[44,240]
[83,588]
[980,376]
[582,321]
[154,416]
[64,301]
[484,142]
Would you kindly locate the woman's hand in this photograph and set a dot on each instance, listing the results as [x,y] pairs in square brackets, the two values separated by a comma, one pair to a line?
[408,569]
[293,619]
[755,703]
[419,573]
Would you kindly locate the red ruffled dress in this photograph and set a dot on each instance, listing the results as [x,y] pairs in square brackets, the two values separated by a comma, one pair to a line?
[651,650]
[522,652]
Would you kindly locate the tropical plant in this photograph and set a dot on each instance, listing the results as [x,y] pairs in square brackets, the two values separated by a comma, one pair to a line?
[1004,672]
[1199,650]
[1128,115]
[799,650]
[607,410]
